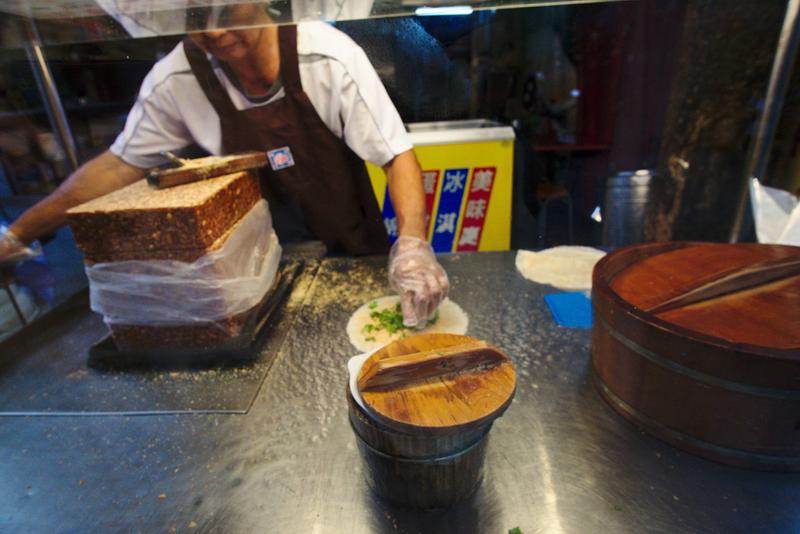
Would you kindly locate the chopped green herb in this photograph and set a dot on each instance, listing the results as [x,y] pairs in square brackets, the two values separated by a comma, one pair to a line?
[514,530]
[369,338]
[373,305]
[391,320]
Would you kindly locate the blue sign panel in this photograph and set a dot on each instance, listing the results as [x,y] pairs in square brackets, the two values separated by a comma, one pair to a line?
[445,223]
[389,217]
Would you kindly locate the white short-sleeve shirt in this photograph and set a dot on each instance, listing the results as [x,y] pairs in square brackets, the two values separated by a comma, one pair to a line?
[172,112]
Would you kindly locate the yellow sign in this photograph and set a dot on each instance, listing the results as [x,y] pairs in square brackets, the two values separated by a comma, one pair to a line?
[468,188]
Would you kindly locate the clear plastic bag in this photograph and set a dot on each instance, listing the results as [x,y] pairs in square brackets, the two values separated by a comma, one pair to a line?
[219,285]
[12,249]
[776,213]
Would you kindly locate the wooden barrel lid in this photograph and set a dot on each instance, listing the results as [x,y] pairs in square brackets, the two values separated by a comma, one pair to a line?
[700,344]
[747,294]
[437,383]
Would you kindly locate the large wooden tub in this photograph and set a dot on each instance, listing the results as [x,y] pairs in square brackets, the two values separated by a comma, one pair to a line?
[699,344]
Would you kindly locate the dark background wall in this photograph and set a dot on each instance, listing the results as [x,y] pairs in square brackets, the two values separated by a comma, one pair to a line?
[592,90]
[723,61]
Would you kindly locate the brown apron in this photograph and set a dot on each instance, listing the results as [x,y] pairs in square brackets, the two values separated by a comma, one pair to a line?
[328,182]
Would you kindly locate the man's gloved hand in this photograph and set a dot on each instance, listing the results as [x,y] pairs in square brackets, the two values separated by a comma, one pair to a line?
[418,278]
[11,248]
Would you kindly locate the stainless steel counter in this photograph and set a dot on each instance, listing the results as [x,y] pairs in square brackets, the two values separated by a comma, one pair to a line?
[559,460]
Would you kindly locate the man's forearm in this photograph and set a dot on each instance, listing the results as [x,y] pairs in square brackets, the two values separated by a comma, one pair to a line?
[408,197]
[97,177]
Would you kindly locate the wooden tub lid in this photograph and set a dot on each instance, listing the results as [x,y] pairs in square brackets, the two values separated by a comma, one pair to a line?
[437,383]
[740,294]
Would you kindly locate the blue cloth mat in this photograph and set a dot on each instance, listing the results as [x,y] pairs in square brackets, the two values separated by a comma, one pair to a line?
[573,309]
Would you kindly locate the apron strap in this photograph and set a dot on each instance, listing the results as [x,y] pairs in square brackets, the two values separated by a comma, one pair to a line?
[201,68]
[287,46]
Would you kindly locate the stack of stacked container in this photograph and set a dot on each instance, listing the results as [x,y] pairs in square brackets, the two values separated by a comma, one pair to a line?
[182,267]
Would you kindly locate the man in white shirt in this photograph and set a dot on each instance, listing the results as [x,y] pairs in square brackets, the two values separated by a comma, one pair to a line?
[306,95]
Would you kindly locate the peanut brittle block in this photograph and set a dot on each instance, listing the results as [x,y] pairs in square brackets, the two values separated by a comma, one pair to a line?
[191,336]
[139,222]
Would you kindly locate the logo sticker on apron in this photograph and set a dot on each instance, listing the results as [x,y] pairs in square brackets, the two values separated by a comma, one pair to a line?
[280,158]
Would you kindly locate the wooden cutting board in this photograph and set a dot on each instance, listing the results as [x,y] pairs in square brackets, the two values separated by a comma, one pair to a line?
[437,383]
[699,343]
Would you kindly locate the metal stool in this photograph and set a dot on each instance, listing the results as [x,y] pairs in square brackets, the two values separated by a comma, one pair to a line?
[6,277]
[546,193]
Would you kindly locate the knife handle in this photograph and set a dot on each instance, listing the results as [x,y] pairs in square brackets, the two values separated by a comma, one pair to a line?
[406,368]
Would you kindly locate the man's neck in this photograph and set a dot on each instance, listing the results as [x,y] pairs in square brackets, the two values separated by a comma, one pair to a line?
[258,70]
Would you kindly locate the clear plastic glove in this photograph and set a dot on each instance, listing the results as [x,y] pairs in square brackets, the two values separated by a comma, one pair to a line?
[11,248]
[418,278]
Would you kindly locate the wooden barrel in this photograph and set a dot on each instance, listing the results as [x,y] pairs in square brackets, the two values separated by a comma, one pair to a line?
[423,436]
[699,344]
[419,471]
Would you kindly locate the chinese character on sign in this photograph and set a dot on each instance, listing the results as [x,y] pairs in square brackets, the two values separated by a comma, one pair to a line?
[476,209]
[482,180]
[453,182]
[446,223]
[469,236]
[429,181]
[391,226]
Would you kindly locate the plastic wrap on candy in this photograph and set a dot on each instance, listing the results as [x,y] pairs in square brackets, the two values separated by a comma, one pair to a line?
[214,292]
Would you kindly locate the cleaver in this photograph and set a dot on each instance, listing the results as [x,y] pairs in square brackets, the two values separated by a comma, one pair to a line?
[181,171]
